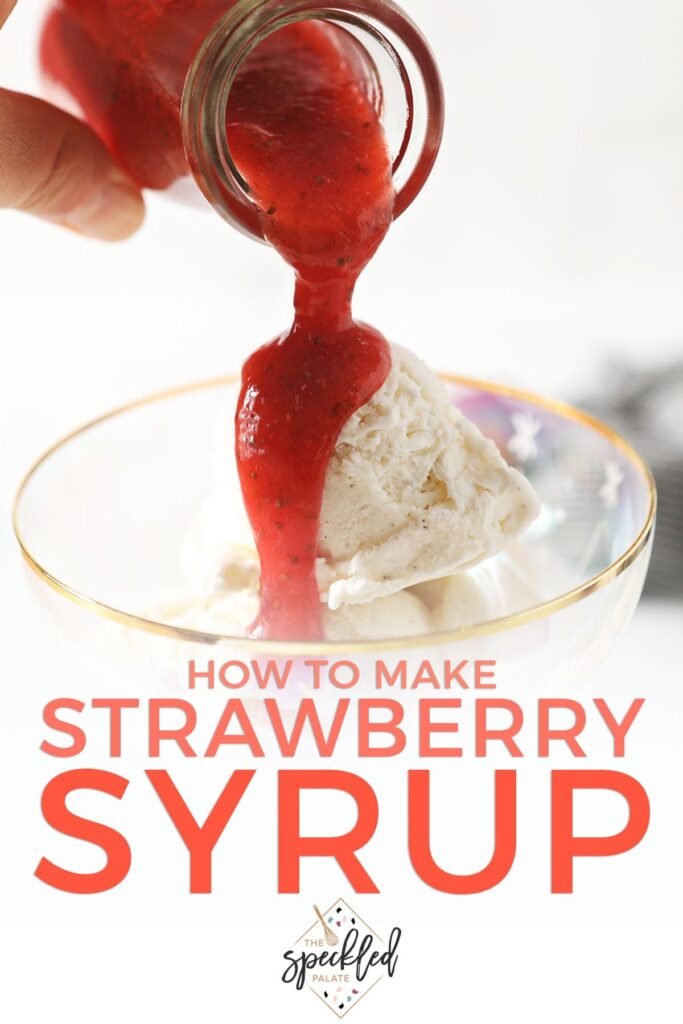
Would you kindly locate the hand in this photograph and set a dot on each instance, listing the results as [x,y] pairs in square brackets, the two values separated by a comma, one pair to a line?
[54,166]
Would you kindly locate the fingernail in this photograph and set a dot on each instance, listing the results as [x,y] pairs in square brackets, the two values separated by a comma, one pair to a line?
[114,212]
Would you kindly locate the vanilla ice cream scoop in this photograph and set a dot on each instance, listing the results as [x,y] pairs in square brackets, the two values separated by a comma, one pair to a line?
[233,605]
[413,492]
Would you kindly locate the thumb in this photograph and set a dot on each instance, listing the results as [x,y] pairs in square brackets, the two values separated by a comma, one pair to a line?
[54,166]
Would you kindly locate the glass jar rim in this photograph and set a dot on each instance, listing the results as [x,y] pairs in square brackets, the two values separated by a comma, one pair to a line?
[236,34]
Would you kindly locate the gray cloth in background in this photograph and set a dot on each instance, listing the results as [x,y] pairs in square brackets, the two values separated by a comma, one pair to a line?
[646,407]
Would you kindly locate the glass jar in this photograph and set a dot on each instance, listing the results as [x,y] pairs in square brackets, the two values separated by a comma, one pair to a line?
[153,77]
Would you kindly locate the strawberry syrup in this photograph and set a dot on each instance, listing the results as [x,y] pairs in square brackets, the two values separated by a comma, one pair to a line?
[306,137]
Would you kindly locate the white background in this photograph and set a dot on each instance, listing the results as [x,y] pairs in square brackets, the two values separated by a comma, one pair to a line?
[550,237]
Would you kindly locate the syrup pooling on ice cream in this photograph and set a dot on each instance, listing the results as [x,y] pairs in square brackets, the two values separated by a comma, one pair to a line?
[416,504]
[307,139]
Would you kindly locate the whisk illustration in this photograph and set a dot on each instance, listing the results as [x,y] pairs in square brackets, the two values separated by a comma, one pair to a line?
[331,938]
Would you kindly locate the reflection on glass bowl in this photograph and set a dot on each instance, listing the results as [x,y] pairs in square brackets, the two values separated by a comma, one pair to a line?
[101,519]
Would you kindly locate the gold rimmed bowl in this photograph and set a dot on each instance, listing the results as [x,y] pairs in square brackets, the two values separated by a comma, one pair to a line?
[101,518]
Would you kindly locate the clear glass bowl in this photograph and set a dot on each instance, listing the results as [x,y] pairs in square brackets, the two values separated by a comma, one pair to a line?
[100,519]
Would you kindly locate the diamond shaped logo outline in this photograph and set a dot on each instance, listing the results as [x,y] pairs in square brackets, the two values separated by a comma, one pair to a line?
[327,917]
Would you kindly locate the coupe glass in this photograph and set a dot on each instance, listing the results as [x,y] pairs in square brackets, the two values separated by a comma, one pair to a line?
[101,517]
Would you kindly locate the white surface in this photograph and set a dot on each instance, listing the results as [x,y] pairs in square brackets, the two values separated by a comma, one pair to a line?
[551,234]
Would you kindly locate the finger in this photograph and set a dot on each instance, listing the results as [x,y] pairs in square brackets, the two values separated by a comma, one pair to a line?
[54,166]
[5,10]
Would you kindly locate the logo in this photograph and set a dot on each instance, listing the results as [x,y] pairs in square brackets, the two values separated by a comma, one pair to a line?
[340,958]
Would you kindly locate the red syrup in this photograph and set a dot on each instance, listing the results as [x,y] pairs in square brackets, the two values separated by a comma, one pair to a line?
[306,137]
[309,143]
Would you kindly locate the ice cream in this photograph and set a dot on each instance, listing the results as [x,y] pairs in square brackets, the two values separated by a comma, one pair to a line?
[414,493]
[233,603]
